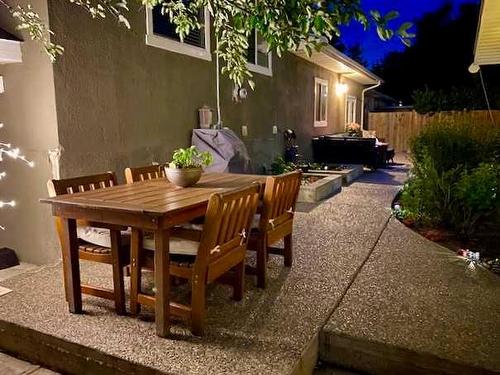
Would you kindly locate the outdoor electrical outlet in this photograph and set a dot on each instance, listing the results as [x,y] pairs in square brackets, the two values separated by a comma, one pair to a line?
[244,131]
[275,130]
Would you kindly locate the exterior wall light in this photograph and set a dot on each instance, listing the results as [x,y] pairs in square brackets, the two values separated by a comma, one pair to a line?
[341,88]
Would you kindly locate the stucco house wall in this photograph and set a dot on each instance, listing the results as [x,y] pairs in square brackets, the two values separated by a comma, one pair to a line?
[28,112]
[121,102]
[112,101]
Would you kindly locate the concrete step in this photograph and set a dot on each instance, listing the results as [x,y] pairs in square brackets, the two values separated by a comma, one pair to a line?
[13,366]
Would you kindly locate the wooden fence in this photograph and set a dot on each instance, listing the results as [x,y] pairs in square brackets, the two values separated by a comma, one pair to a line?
[397,128]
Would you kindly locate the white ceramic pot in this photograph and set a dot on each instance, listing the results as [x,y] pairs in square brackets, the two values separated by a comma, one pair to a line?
[183,177]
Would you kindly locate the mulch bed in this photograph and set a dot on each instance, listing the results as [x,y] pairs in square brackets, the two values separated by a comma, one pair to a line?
[486,241]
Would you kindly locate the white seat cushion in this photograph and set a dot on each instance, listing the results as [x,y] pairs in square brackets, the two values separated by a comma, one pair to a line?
[102,237]
[191,226]
[256,221]
[177,246]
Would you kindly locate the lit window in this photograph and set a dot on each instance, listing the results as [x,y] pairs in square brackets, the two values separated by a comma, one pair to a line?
[320,102]
[160,32]
[258,58]
[351,102]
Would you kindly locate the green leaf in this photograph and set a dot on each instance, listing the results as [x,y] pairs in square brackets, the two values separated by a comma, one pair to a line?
[391,15]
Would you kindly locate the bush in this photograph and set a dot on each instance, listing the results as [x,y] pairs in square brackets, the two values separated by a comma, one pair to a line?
[457,144]
[477,196]
[455,178]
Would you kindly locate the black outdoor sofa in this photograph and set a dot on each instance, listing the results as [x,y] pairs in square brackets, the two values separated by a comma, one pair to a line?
[343,149]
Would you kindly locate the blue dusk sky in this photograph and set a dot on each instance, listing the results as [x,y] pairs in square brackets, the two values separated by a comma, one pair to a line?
[373,48]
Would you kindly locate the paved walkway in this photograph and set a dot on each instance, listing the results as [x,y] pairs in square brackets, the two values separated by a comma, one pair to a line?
[350,271]
[267,332]
[414,308]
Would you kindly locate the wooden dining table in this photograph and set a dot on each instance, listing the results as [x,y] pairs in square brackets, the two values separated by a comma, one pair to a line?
[154,206]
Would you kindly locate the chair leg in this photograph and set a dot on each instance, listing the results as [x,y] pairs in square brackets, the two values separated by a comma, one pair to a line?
[118,283]
[126,271]
[261,264]
[239,282]
[287,252]
[135,270]
[197,304]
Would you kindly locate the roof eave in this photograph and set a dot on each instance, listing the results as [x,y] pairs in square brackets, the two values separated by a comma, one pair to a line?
[335,53]
[340,64]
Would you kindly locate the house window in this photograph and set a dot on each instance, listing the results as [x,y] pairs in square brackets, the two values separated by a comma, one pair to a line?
[350,115]
[320,102]
[160,33]
[258,59]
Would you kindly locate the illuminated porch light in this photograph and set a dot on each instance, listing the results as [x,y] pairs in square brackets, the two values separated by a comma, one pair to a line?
[341,88]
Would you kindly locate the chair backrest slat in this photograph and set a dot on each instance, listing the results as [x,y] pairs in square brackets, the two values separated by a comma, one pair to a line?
[227,222]
[76,185]
[149,172]
[80,184]
[280,196]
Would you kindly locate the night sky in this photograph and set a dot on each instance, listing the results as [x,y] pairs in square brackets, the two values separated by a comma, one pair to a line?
[375,49]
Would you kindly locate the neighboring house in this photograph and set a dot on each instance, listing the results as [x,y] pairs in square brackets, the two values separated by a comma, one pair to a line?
[487,48]
[119,98]
[376,101]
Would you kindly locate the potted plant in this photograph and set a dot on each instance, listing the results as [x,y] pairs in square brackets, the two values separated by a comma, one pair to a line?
[186,166]
[354,130]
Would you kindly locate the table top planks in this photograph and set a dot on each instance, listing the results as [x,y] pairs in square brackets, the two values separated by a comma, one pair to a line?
[157,196]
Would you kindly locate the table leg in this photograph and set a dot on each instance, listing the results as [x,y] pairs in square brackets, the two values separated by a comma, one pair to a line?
[118,283]
[162,281]
[135,270]
[71,261]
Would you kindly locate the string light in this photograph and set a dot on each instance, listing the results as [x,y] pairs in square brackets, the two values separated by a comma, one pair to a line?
[6,150]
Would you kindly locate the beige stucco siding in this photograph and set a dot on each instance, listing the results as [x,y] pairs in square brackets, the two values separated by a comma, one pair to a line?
[121,102]
[27,109]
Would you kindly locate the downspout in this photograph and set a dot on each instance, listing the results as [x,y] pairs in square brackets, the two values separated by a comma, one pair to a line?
[217,82]
[363,102]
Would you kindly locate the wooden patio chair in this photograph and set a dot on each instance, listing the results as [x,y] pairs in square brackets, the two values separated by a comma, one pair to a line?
[275,222]
[106,244]
[220,252]
[148,172]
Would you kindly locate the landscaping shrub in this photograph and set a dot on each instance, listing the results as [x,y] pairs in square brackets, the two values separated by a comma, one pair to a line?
[455,178]
[451,144]
[477,195]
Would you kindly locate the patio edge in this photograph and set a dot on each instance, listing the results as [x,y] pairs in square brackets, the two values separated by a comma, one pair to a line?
[64,356]
[379,358]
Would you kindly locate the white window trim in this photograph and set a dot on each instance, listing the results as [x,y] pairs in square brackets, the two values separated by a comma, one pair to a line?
[321,124]
[355,99]
[265,70]
[172,45]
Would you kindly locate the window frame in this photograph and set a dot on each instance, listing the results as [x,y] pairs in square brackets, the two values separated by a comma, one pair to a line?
[324,82]
[172,45]
[354,100]
[265,70]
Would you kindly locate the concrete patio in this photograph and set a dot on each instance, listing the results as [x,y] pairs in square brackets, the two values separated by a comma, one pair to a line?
[353,270]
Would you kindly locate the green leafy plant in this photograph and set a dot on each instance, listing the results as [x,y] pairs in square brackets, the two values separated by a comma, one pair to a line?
[280,166]
[190,158]
[452,143]
[428,195]
[478,195]
[455,177]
